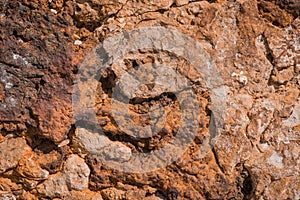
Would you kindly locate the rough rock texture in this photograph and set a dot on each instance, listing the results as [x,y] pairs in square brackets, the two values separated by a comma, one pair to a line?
[11,152]
[255,45]
[77,173]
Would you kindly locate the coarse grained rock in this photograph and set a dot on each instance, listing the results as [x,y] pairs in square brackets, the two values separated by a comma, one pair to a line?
[74,176]
[55,186]
[30,168]
[7,196]
[11,151]
[76,172]
[86,194]
[255,47]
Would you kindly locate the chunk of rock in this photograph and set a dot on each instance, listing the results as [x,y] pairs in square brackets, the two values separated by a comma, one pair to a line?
[181,2]
[91,141]
[75,176]
[29,168]
[54,186]
[76,172]
[6,185]
[276,160]
[113,193]
[100,145]
[11,151]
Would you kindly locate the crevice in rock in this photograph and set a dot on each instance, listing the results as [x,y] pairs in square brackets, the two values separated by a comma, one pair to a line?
[269,53]
[34,121]
[42,145]
[39,143]
[248,184]
[127,139]
[270,57]
[108,81]
[217,160]
[164,95]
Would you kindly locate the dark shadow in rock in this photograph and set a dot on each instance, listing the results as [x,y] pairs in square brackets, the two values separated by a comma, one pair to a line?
[108,81]
[39,143]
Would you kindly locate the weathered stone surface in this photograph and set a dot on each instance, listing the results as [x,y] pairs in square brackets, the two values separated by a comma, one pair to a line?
[76,172]
[30,168]
[11,151]
[7,196]
[100,145]
[113,193]
[54,186]
[7,185]
[255,47]
[80,195]
[74,176]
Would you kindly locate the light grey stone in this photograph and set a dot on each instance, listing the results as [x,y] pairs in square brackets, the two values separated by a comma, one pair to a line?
[76,173]
[54,186]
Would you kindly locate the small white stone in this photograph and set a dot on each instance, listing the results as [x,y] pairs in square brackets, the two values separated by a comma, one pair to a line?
[234,74]
[121,20]
[265,145]
[12,101]
[195,10]
[64,143]
[111,27]
[53,11]
[286,140]
[122,25]
[8,85]
[78,42]
[243,79]
[294,119]
[92,141]
[276,160]
[17,56]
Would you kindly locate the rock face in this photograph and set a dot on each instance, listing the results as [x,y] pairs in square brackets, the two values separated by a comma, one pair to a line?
[238,61]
